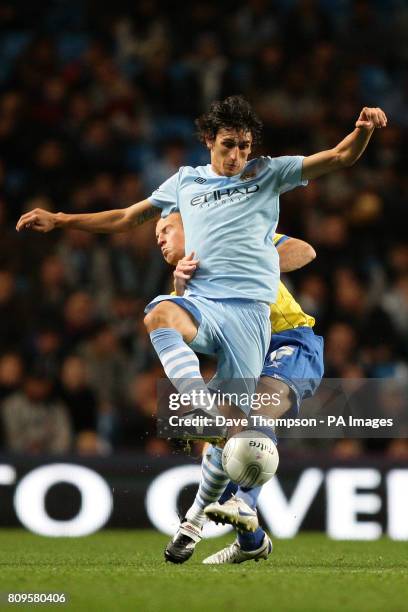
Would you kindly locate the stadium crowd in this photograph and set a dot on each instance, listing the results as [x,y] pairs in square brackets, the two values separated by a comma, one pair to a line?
[97,109]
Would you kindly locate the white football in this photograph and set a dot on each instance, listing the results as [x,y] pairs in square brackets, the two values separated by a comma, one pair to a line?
[250,458]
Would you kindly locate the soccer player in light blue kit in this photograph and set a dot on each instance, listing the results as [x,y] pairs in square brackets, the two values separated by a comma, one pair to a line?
[230,210]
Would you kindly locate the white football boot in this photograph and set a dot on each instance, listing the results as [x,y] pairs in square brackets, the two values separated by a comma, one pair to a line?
[235,554]
[233,512]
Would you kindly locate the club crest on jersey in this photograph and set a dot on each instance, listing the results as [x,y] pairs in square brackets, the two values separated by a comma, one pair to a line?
[283,351]
[247,176]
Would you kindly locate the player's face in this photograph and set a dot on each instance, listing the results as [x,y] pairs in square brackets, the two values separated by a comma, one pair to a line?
[229,151]
[170,238]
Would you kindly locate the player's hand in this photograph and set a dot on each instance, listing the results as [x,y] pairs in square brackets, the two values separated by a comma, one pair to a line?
[371,118]
[185,269]
[38,220]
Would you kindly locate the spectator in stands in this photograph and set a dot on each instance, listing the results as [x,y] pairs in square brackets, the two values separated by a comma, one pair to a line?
[108,370]
[35,420]
[81,404]
[11,374]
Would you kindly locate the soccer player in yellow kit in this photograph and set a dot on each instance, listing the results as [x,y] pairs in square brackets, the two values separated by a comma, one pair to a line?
[294,358]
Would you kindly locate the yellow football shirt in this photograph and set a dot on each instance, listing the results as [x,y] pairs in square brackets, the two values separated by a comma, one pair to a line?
[286,313]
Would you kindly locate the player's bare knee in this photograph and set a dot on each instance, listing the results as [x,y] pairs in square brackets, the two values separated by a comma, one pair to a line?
[148,322]
[167,314]
[277,397]
[159,317]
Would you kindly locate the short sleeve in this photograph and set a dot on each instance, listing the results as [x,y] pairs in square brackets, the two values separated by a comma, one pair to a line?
[280,239]
[165,196]
[288,171]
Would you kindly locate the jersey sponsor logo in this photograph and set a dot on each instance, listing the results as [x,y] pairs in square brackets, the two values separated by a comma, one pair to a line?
[283,351]
[200,180]
[223,195]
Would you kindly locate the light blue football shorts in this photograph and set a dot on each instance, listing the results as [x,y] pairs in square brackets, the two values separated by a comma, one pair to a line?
[236,331]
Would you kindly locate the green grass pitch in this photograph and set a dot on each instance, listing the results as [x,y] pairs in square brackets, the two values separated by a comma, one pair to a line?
[125,570]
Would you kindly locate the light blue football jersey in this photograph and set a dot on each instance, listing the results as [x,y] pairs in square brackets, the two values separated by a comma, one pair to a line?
[229,222]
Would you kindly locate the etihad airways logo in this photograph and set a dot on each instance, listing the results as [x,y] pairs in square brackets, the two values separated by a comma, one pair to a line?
[224,195]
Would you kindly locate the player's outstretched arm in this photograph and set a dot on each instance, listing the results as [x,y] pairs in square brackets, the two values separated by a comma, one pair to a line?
[294,254]
[107,222]
[348,151]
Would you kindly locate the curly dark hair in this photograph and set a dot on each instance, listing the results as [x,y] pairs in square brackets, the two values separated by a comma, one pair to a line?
[232,113]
